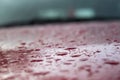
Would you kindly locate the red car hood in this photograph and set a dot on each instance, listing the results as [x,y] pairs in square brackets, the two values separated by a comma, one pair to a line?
[71,51]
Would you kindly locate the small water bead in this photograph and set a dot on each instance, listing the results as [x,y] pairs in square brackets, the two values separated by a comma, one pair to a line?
[37,60]
[37,49]
[83,59]
[111,62]
[61,53]
[67,63]
[23,43]
[71,48]
[75,55]
[41,73]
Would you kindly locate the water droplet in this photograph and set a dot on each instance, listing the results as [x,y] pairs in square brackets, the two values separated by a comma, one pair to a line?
[3,62]
[37,49]
[28,71]
[39,60]
[75,55]
[41,73]
[23,43]
[49,61]
[72,41]
[61,53]
[47,55]
[98,51]
[108,39]
[116,41]
[49,58]
[111,62]
[14,61]
[57,60]
[86,68]
[11,78]
[83,59]
[64,71]
[67,63]
[72,48]
[71,60]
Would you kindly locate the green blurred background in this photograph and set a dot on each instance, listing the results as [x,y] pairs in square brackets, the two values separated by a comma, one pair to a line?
[26,10]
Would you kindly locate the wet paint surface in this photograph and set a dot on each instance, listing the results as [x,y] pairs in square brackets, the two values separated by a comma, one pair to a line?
[74,51]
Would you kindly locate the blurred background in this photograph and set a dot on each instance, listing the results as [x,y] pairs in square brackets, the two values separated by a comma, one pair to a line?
[26,11]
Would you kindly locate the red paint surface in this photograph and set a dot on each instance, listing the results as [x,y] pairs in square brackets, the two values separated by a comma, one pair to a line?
[74,51]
